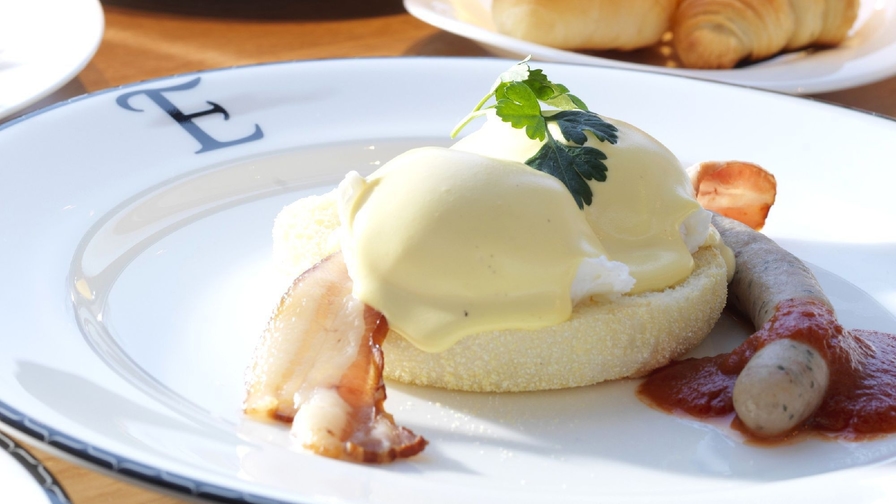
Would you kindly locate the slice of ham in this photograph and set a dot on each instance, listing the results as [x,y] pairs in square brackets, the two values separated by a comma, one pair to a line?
[736,189]
[319,365]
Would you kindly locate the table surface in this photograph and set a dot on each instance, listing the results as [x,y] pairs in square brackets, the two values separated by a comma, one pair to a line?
[153,38]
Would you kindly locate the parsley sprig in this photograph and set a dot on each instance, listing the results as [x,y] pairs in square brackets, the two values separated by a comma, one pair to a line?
[519,93]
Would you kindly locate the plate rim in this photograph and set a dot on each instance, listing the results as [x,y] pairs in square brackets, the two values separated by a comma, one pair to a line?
[125,468]
[89,95]
[39,473]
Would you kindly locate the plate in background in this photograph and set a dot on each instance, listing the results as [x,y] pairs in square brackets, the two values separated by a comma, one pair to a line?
[43,45]
[24,479]
[868,55]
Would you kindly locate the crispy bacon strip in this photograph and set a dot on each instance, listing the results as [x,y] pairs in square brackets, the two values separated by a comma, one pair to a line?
[736,189]
[319,365]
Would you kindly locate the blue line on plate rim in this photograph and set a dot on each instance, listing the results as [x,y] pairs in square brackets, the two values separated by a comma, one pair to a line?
[131,469]
[122,466]
[42,476]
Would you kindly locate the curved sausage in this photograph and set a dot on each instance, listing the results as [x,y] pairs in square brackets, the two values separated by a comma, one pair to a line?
[766,274]
[785,381]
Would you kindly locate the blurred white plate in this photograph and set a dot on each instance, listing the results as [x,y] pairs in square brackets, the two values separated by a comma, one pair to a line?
[136,266]
[868,55]
[23,479]
[43,45]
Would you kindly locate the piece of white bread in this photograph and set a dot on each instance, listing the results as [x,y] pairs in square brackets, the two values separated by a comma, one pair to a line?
[585,24]
[601,341]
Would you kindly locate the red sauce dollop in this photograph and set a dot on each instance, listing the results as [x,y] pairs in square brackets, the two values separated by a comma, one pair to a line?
[860,401]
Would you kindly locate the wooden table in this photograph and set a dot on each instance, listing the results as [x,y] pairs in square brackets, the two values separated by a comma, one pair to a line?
[154,38]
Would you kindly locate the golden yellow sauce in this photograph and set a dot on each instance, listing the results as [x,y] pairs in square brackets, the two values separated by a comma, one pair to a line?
[451,242]
[636,213]
[448,243]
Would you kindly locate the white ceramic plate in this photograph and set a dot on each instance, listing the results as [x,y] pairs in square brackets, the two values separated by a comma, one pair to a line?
[868,55]
[136,263]
[43,45]
[24,479]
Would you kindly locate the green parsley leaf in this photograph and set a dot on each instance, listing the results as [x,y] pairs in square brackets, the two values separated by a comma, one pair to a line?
[516,104]
[567,101]
[519,93]
[574,123]
[538,82]
[555,95]
[573,166]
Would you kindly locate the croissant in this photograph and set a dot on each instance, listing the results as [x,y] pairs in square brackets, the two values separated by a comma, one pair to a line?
[721,33]
[585,24]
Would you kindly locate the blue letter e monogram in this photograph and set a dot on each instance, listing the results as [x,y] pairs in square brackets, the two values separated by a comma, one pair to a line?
[185,121]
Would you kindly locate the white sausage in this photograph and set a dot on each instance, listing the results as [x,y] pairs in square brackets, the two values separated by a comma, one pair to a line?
[785,381]
[781,386]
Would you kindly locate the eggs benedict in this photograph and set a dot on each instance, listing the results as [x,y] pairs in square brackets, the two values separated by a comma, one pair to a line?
[500,268]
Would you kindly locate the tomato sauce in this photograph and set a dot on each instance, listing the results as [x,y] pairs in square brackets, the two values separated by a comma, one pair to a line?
[860,401]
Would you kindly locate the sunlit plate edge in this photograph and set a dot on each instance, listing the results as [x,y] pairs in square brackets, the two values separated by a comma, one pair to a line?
[13,420]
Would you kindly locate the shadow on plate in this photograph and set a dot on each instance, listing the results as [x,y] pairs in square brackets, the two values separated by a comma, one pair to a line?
[606,423]
[446,44]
